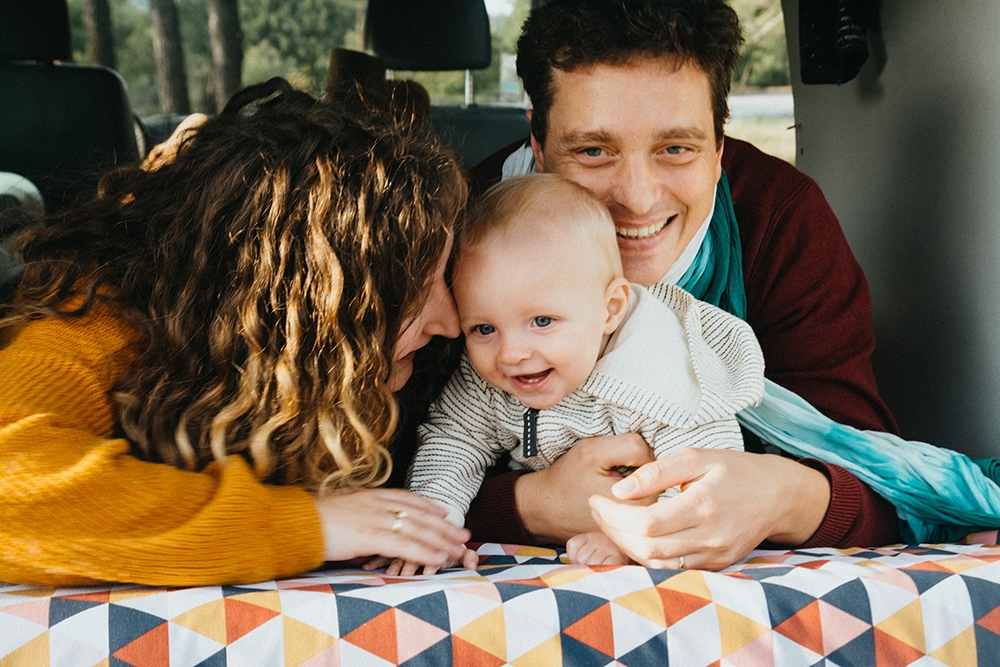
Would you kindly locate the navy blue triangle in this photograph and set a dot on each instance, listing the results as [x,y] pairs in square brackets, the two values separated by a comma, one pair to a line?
[573,606]
[987,644]
[60,608]
[926,579]
[436,654]
[659,576]
[125,625]
[352,612]
[985,595]
[431,608]
[215,660]
[575,652]
[653,652]
[117,662]
[858,651]
[765,573]
[784,602]
[229,591]
[852,598]
[510,591]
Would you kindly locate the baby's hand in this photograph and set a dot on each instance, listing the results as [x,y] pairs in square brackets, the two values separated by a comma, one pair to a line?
[595,548]
[397,567]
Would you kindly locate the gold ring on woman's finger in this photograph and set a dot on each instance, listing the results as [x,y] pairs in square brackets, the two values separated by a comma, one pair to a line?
[397,525]
[680,563]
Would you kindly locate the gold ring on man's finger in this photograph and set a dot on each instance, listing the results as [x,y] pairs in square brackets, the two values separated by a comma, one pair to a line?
[397,525]
[680,563]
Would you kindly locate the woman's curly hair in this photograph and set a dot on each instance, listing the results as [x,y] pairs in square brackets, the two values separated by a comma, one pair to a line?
[268,270]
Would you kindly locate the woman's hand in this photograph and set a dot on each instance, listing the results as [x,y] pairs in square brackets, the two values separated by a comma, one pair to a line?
[730,503]
[552,503]
[391,523]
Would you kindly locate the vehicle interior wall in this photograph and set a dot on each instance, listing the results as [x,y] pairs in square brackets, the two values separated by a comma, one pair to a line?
[908,155]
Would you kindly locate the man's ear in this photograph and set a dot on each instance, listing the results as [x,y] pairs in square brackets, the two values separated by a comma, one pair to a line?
[616,296]
[718,159]
[536,148]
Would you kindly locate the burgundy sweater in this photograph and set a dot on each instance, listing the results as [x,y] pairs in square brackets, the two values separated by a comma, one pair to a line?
[808,303]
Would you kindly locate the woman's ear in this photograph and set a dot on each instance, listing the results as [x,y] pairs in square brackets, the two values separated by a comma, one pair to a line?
[616,296]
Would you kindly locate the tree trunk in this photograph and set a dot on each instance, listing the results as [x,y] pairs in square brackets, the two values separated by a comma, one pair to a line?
[226,46]
[100,39]
[172,79]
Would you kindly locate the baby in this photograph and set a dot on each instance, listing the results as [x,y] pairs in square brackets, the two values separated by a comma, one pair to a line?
[559,347]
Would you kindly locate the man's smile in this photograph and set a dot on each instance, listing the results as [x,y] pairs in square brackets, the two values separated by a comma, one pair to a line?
[643,232]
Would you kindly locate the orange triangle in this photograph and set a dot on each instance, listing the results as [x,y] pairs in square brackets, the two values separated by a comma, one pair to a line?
[243,618]
[104,597]
[991,621]
[595,630]
[469,655]
[377,636]
[149,650]
[678,605]
[891,651]
[804,628]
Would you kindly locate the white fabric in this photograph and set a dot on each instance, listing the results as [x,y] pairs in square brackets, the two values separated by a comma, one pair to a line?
[676,372]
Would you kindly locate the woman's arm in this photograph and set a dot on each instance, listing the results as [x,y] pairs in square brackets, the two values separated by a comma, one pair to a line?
[79,508]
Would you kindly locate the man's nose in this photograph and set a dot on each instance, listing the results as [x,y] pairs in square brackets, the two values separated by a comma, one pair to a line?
[636,187]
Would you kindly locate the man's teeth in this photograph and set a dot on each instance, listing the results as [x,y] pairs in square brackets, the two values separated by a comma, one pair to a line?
[642,232]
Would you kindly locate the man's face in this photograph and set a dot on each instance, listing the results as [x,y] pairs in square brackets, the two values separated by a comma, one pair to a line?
[641,137]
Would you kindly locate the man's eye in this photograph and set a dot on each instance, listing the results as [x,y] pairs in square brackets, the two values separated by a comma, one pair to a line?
[676,150]
[543,321]
[484,329]
[593,151]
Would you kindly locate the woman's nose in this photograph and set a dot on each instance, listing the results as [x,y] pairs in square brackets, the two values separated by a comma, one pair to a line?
[442,317]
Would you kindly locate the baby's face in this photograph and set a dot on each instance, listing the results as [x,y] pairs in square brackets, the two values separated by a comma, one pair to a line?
[534,317]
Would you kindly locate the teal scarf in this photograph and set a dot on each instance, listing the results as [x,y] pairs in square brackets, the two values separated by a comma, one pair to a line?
[940,495]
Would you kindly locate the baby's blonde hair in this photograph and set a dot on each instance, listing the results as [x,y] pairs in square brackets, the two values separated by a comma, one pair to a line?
[514,208]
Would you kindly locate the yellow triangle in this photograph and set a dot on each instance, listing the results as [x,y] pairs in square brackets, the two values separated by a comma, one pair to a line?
[303,641]
[645,602]
[563,577]
[266,599]
[906,625]
[35,652]
[548,653]
[691,582]
[960,564]
[534,552]
[131,593]
[488,632]
[959,651]
[208,619]
[33,592]
[737,630]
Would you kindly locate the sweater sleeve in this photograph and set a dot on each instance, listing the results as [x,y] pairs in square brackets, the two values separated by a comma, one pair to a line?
[79,508]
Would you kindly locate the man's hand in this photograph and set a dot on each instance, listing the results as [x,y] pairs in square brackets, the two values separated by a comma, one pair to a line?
[552,503]
[729,503]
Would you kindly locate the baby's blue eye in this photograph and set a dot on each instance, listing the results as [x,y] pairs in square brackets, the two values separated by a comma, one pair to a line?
[484,329]
[543,321]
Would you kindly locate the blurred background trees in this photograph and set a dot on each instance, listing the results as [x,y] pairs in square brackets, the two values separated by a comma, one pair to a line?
[179,56]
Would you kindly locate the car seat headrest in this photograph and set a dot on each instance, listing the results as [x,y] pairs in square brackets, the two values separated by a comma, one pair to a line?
[35,30]
[429,35]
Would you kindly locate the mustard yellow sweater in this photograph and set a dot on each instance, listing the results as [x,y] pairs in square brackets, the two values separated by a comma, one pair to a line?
[76,507]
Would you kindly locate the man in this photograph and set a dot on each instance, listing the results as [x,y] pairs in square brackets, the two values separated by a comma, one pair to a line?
[629,100]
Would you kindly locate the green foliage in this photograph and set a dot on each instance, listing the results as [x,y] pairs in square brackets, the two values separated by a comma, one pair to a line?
[764,61]
[294,39]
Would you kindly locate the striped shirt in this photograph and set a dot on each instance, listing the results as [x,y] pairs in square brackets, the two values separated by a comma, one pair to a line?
[676,372]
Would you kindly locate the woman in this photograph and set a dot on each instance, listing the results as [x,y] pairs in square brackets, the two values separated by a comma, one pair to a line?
[197,384]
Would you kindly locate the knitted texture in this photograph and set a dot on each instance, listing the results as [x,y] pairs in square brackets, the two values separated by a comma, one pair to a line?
[79,508]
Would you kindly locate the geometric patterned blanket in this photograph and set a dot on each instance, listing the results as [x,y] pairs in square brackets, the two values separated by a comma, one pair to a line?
[908,605]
